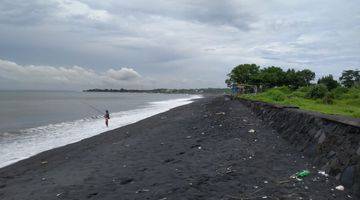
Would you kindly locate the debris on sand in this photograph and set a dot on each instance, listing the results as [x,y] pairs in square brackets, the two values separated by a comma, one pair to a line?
[301,174]
[323,173]
[340,187]
[142,190]
[44,162]
[220,113]
[229,170]
[251,131]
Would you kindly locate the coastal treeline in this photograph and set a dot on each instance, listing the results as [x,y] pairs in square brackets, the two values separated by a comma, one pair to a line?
[299,88]
[269,77]
[252,74]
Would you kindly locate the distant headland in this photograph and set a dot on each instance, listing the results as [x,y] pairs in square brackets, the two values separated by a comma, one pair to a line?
[166,91]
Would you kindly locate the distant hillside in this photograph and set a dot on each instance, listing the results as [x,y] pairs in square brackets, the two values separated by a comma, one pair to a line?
[167,91]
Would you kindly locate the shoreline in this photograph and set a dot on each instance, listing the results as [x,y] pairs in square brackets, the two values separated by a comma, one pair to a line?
[202,150]
[25,146]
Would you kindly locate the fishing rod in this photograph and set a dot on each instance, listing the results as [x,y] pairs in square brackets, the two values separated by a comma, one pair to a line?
[93,107]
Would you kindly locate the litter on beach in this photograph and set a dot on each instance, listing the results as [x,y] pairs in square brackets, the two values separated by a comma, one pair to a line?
[301,174]
[142,190]
[251,131]
[323,173]
[220,113]
[340,187]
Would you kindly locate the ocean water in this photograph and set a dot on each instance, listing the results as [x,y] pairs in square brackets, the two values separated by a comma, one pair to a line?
[35,121]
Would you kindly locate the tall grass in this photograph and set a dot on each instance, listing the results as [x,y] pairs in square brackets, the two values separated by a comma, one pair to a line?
[339,101]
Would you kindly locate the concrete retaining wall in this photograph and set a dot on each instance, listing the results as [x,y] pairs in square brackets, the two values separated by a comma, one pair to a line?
[333,142]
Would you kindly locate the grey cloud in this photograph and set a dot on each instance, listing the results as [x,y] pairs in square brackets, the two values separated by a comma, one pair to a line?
[74,77]
[229,13]
[196,41]
[25,13]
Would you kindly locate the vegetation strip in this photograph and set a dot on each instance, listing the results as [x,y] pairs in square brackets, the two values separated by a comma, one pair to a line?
[297,88]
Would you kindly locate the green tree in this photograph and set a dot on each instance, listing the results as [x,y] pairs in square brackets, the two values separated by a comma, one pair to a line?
[271,77]
[350,78]
[296,79]
[317,91]
[244,74]
[329,82]
[306,76]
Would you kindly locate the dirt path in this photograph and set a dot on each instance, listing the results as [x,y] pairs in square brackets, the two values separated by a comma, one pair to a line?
[199,151]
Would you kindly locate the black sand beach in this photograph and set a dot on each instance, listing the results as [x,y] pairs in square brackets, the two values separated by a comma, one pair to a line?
[203,150]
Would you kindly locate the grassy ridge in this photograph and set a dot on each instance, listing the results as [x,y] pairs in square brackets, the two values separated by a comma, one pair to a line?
[343,101]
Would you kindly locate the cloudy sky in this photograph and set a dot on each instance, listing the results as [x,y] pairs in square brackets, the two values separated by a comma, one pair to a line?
[80,44]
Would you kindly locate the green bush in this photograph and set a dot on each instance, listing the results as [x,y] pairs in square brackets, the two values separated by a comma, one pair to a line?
[304,89]
[329,82]
[354,93]
[354,102]
[284,89]
[339,92]
[297,94]
[276,95]
[328,98]
[317,91]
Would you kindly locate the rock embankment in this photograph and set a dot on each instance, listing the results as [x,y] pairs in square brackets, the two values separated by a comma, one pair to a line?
[332,142]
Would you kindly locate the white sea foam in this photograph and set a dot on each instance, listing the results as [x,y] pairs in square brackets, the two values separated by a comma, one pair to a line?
[29,142]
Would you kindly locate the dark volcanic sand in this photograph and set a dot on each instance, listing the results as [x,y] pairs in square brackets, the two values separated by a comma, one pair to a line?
[191,152]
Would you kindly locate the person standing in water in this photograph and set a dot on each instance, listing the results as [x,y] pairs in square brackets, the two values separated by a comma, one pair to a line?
[107,117]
